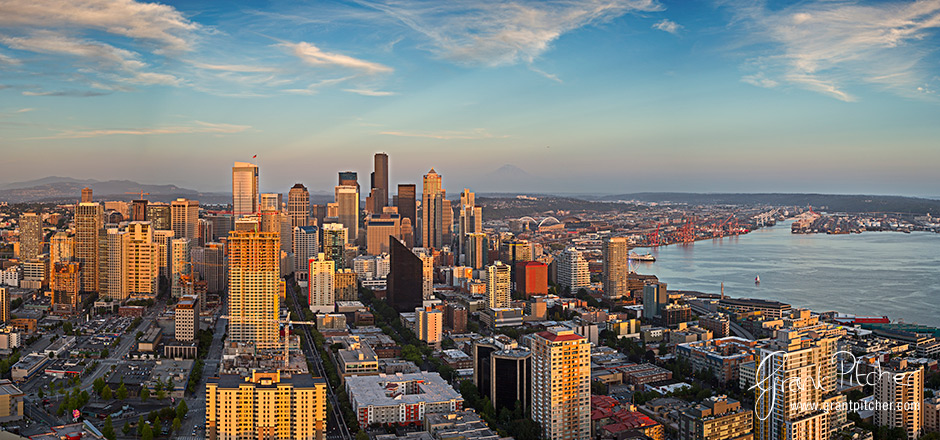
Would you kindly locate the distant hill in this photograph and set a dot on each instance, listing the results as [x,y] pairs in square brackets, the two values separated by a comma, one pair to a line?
[828,202]
[66,189]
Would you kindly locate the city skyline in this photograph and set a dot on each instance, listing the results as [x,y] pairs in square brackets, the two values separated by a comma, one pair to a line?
[814,96]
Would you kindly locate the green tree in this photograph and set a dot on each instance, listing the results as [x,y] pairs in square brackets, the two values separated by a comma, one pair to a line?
[106,392]
[98,385]
[40,394]
[108,430]
[60,410]
[177,424]
[122,392]
[157,427]
[361,435]
[161,395]
[182,409]
[140,426]
[126,430]
[144,393]
[146,433]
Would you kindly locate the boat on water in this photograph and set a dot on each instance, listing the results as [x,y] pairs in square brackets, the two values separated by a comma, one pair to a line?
[757,280]
[645,257]
[845,318]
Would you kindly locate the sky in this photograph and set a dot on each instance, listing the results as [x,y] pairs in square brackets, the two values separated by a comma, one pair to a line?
[592,96]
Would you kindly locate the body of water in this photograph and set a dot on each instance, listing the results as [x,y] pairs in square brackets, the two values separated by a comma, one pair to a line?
[873,273]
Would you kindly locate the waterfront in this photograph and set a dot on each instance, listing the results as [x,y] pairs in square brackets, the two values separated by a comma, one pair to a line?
[873,273]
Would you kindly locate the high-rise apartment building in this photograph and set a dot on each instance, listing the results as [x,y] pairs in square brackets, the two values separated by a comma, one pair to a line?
[163,238]
[561,384]
[378,197]
[616,253]
[184,218]
[470,219]
[503,373]
[270,406]
[180,266]
[61,247]
[429,324]
[432,211]
[406,201]
[655,299]
[88,220]
[298,205]
[716,418]
[344,285]
[141,260]
[209,262]
[378,229]
[334,242]
[498,285]
[111,268]
[159,216]
[900,393]
[139,210]
[475,253]
[573,270]
[306,244]
[245,192]
[186,318]
[4,305]
[347,200]
[320,285]
[271,201]
[427,272]
[30,227]
[64,286]
[254,286]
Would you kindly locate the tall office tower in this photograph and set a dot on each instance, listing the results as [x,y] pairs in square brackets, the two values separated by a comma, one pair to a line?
[406,202]
[616,252]
[427,272]
[344,285]
[332,211]
[380,182]
[139,210]
[561,384]
[306,244]
[349,178]
[498,284]
[432,211]
[61,247]
[111,279]
[503,373]
[407,232]
[4,305]
[141,255]
[470,219]
[180,267]
[298,205]
[334,242]
[272,406]
[204,232]
[347,201]
[378,228]
[447,223]
[209,261]
[317,214]
[221,225]
[794,412]
[429,324]
[287,237]
[87,223]
[65,282]
[186,318]
[532,278]
[254,286]
[655,298]
[405,278]
[184,218]
[86,195]
[573,270]
[320,287]
[245,198]
[270,222]
[30,227]
[900,391]
[159,216]
[163,239]
[476,250]
[271,201]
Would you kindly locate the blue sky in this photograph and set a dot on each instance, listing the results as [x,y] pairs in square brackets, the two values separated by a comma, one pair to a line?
[584,96]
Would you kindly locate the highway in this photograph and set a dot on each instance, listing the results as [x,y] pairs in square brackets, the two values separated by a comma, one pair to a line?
[339,430]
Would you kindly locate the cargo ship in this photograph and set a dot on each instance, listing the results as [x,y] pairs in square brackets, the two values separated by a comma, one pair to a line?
[645,257]
[843,318]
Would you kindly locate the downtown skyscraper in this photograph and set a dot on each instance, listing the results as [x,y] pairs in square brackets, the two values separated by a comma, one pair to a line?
[432,211]
[254,285]
[347,200]
[298,205]
[616,254]
[30,227]
[561,384]
[378,196]
[245,192]
[88,220]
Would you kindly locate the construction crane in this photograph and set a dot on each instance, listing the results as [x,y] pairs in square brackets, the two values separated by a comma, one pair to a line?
[653,237]
[140,193]
[687,231]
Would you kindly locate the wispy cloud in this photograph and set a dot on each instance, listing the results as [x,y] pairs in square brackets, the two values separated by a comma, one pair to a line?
[668,26]
[314,56]
[314,88]
[501,33]
[240,68]
[5,59]
[196,127]
[832,46]
[478,133]
[69,93]
[369,92]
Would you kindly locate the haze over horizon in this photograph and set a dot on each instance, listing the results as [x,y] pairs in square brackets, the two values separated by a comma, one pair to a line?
[602,96]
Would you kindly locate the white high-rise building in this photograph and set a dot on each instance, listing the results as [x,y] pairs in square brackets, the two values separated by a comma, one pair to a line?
[245,197]
[184,218]
[498,285]
[306,244]
[573,270]
[427,270]
[141,254]
[30,227]
[429,324]
[561,384]
[900,391]
[320,285]
[111,269]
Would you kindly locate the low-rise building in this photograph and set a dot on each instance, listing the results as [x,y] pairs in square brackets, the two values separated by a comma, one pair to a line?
[402,399]
[27,366]
[722,356]
[716,418]
[501,317]
[11,402]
